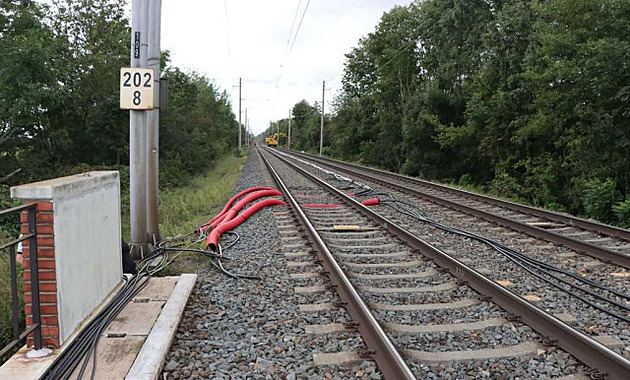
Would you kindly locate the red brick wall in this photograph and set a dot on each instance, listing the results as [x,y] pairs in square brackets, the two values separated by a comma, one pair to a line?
[49,312]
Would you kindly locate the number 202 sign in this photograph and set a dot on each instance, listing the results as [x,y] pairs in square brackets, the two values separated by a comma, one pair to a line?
[136,89]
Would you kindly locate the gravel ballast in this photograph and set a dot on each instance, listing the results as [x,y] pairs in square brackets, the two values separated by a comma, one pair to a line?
[548,362]
[237,329]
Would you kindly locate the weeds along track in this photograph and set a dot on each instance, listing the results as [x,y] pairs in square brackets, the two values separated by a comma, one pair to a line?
[440,316]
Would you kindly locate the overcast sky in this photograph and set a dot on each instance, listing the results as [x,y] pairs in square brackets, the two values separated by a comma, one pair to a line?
[228,39]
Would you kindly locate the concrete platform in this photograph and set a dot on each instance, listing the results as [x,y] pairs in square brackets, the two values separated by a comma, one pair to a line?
[152,317]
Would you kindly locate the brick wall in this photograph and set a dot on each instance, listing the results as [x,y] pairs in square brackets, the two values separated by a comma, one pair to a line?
[49,311]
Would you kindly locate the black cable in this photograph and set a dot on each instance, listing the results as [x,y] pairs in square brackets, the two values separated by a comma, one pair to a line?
[510,254]
[219,265]
[518,258]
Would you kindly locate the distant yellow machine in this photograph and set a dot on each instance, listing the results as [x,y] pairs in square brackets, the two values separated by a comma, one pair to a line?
[275,139]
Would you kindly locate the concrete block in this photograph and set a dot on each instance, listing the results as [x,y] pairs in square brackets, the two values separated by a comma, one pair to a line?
[85,242]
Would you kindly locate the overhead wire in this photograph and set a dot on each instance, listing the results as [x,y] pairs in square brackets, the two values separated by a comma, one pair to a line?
[287,55]
[297,11]
[297,32]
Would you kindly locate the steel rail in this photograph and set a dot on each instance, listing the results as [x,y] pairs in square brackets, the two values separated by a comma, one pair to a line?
[571,340]
[388,359]
[569,220]
[604,254]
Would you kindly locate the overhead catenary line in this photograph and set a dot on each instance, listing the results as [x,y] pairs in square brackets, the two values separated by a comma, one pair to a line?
[297,11]
[297,32]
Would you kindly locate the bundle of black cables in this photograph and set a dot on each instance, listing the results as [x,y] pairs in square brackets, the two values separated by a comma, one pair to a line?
[82,349]
[572,283]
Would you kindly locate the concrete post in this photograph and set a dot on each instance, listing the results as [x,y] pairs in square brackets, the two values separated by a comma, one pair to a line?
[137,139]
[153,123]
[321,131]
[239,115]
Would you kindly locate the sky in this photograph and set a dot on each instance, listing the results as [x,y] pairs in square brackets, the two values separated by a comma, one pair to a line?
[228,39]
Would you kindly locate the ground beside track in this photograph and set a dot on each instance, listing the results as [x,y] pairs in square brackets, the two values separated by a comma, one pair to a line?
[244,328]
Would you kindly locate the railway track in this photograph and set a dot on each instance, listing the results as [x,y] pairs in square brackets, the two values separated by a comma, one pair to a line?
[607,243]
[583,309]
[424,313]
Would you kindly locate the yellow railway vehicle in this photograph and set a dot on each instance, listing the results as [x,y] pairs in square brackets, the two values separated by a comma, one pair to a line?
[275,139]
[271,141]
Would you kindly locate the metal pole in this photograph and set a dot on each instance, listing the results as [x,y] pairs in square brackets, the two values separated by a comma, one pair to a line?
[239,116]
[289,134]
[137,157]
[321,131]
[153,122]
[245,119]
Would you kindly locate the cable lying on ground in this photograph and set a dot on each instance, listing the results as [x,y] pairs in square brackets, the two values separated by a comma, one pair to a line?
[82,350]
[574,285]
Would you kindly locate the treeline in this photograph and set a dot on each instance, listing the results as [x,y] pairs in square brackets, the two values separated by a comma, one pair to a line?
[525,99]
[59,78]
[305,126]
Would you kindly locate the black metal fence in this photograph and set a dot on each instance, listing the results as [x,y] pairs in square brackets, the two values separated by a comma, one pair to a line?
[31,236]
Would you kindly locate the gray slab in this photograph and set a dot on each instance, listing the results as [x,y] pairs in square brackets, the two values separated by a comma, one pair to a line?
[305,275]
[158,288]
[424,274]
[309,289]
[136,318]
[466,302]
[325,329]
[115,357]
[316,307]
[148,364]
[405,264]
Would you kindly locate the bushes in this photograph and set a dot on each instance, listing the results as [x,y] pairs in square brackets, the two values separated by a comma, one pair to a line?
[622,213]
[598,198]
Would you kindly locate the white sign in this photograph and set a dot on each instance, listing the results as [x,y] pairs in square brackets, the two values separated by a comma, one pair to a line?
[136,89]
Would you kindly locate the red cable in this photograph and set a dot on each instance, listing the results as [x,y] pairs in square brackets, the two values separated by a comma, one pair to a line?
[215,234]
[239,206]
[232,200]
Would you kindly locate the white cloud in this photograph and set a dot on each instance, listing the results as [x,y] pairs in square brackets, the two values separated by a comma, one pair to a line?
[196,33]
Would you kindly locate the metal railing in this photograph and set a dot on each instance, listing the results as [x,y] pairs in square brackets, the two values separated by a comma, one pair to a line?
[31,236]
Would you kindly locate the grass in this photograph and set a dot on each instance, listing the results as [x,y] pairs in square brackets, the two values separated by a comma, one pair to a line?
[184,208]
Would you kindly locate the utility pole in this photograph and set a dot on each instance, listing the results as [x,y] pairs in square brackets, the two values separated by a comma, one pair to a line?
[153,121]
[321,131]
[289,135]
[240,85]
[245,120]
[138,138]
